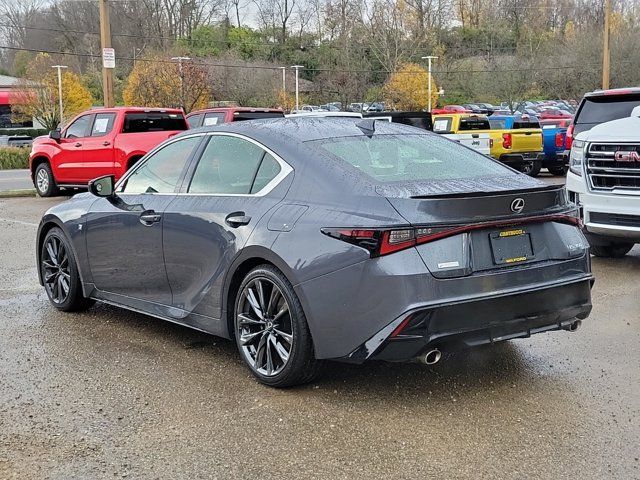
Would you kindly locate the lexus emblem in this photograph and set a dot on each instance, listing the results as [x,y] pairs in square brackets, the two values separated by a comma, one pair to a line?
[517,205]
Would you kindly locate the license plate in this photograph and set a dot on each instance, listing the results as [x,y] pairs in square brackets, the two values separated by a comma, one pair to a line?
[511,246]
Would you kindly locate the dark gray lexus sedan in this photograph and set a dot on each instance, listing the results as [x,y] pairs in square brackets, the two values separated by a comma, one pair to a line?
[310,239]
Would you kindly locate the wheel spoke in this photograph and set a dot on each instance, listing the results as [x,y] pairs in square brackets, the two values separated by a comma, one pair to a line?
[273,300]
[52,255]
[64,283]
[260,351]
[283,310]
[260,291]
[251,297]
[48,265]
[48,276]
[282,352]
[288,337]
[249,337]
[269,356]
[55,290]
[244,319]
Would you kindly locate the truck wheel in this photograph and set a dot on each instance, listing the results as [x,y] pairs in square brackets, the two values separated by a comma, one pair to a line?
[558,171]
[531,168]
[44,181]
[613,250]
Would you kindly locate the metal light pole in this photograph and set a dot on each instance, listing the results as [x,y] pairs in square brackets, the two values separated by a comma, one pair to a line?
[59,68]
[180,60]
[284,81]
[429,58]
[297,67]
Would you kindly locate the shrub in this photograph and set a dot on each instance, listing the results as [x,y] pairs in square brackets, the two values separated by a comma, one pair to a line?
[30,132]
[14,157]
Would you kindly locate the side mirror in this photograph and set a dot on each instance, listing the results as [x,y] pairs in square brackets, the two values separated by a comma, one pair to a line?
[102,186]
[55,135]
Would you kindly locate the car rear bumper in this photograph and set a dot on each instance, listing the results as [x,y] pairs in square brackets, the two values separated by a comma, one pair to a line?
[451,327]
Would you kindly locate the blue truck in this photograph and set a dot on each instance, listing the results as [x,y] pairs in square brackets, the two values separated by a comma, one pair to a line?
[553,137]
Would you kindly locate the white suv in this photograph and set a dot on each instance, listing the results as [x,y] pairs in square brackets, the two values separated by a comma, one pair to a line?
[604,180]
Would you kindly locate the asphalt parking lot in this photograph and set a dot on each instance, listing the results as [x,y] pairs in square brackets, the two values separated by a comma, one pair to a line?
[112,394]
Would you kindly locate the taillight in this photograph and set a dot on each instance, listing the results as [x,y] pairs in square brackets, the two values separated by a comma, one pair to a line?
[383,241]
[506,140]
[568,141]
[559,140]
[491,143]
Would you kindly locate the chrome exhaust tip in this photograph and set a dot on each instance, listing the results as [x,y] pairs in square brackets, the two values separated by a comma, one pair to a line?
[431,357]
[574,326]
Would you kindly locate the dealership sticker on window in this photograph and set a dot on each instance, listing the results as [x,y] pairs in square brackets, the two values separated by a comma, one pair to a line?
[210,121]
[441,125]
[101,125]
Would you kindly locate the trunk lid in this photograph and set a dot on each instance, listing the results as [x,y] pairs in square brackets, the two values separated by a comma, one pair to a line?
[472,200]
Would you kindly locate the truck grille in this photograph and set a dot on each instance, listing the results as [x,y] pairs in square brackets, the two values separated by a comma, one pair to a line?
[605,172]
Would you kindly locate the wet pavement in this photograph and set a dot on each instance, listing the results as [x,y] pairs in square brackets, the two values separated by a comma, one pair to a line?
[113,394]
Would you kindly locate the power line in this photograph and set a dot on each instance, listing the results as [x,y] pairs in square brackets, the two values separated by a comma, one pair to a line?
[321,70]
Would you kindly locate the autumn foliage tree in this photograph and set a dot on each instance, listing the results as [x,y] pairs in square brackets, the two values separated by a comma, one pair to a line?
[407,88]
[37,94]
[157,82]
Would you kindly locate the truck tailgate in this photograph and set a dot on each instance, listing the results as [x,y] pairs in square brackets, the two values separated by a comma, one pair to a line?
[526,140]
[477,141]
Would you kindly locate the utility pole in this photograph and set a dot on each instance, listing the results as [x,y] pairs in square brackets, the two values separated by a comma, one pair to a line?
[429,58]
[606,52]
[59,68]
[297,67]
[180,60]
[105,41]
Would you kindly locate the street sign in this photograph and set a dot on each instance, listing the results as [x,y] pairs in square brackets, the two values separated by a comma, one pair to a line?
[108,58]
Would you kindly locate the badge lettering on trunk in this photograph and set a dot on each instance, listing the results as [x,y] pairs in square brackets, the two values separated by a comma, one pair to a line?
[517,205]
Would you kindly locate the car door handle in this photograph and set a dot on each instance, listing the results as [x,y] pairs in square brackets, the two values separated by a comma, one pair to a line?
[106,144]
[78,144]
[149,218]
[237,219]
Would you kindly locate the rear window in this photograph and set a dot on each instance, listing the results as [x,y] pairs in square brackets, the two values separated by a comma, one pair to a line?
[474,123]
[153,122]
[237,116]
[399,158]
[606,108]
[423,122]
[526,124]
[214,118]
[498,124]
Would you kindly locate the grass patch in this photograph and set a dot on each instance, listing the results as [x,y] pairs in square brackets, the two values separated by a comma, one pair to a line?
[14,157]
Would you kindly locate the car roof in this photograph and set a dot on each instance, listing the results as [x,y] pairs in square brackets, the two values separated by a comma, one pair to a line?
[136,110]
[613,91]
[236,109]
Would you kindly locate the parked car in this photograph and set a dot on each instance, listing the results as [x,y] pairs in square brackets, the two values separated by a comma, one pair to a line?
[517,141]
[330,107]
[468,129]
[604,178]
[218,115]
[455,109]
[387,243]
[102,141]
[15,141]
[488,108]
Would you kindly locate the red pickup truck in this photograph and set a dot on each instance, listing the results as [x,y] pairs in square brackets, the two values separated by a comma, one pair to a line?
[105,141]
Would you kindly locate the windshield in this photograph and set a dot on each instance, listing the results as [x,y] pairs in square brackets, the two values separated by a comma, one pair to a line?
[396,158]
[606,108]
[474,123]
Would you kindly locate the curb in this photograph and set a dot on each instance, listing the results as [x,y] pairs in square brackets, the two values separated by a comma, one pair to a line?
[28,192]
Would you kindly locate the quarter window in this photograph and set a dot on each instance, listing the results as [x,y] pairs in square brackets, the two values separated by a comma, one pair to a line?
[228,165]
[78,129]
[161,172]
[269,169]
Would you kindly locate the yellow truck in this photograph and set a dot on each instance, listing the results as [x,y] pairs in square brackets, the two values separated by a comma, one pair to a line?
[515,140]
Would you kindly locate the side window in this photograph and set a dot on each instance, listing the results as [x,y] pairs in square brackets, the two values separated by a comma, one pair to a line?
[194,120]
[160,172]
[103,124]
[78,129]
[213,119]
[228,165]
[269,169]
[442,125]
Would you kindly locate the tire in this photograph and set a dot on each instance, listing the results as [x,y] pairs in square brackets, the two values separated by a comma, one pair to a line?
[531,168]
[613,250]
[60,273]
[276,346]
[44,181]
[558,171]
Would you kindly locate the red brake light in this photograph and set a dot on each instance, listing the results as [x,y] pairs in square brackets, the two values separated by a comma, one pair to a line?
[559,140]
[568,141]
[506,140]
